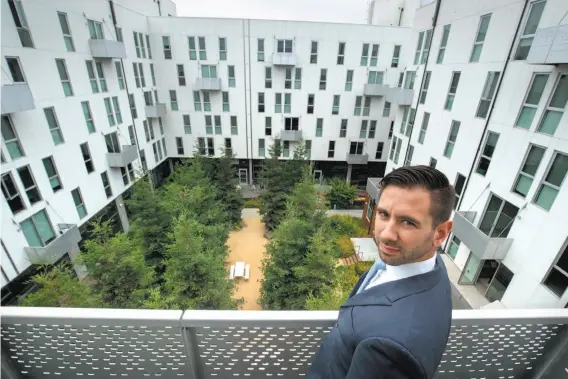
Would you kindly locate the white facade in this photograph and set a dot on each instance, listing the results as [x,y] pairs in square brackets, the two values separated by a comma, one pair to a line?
[56,76]
[538,235]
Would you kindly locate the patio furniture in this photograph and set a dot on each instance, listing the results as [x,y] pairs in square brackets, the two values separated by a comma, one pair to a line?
[232,272]
[247,271]
[239,269]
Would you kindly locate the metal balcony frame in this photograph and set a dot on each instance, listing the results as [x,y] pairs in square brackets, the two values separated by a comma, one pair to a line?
[69,236]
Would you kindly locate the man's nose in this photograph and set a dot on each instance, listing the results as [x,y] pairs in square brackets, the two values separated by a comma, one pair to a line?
[389,232]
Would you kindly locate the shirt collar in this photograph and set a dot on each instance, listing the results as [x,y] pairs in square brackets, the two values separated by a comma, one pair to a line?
[411,269]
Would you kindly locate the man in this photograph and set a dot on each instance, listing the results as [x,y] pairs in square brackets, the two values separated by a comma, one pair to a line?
[397,319]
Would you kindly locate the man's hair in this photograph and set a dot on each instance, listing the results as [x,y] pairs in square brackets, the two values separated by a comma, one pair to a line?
[442,193]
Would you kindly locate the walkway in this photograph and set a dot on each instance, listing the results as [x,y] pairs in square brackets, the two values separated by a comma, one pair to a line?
[248,245]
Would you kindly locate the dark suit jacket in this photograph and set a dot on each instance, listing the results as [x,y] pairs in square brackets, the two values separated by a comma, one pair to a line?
[396,330]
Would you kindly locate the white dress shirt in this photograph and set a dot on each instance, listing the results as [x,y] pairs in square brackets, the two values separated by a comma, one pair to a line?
[401,272]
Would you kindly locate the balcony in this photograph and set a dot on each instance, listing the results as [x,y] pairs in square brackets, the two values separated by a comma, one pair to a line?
[128,154]
[208,84]
[480,244]
[284,59]
[107,49]
[357,158]
[69,236]
[549,46]
[291,135]
[17,97]
[400,96]
[155,110]
[102,343]
[376,90]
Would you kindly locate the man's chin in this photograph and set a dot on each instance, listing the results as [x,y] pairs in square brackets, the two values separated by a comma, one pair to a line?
[389,259]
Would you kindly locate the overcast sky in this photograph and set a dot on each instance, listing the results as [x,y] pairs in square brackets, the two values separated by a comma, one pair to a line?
[349,11]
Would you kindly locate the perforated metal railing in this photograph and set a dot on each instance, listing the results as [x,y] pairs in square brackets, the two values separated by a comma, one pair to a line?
[107,343]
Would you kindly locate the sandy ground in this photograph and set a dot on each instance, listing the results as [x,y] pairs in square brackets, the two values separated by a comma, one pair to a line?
[248,245]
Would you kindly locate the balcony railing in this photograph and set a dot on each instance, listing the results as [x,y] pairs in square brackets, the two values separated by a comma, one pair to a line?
[102,343]
[208,84]
[127,155]
[155,110]
[284,59]
[17,97]
[107,49]
[480,244]
[291,135]
[400,96]
[550,46]
[376,89]
[68,238]
[356,158]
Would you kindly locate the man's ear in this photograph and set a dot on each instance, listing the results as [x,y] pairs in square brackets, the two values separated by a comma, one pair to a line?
[442,232]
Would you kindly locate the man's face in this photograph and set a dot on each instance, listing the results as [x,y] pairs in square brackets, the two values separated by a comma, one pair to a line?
[404,229]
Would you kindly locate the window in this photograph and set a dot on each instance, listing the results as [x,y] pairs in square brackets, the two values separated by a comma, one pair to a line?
[314,52]
[79,204]
[387,109]
[260,49]
[335,108]
[208,125]
[132,103]
[110,114]
[181,75]
[101,76]
[160,156]
[88,116]
[363,131]
[323,79]
[409,79]
[555,108]
[179,145]
[365,54]
[15,69]
[331,149]
[358,101]
[196,101]
[143,160]
[136,44]
[284,45]
[234,126]
[218,127]
[164,146]
[261,148]
[192,49]
[395,56]
[308,149]
[443,43]
[426,47]
[52,174]
[408,121]
[367,106]
[286,149]
[557,279]
[64,76]
[375,77]
[459,187]
[232,81]
[341,53]
[379,151]
[374,54]
[120,74]
[552,182]
[393,147]
[210,147]
[156,159]
[277,103]
[228,146]
[112,144]
[67,38]
[288,78]
[161,126]
[19,17]
[226,106]
[186,124]
[319,127]
[117,113]
[452,137]
[291,123]
[311,103]
[480,38]
[148,44]
[349,80]
[423,128]
[391,128]
[142,47]
[372,128]
[400,79]
[424,90]
[131,135]
[201,146]
[528,170]
[10,191]
[95,29]
[167,47]
[30,186]
[268,126]
[343,128]
[38,230]
[298,78]
[261,102]
[487,153]
[418,48]
[53,124]
[454,247]
[409,155]
[206,102]
[528,33]
[531,101]
[151,128]
[498,217]
[136,74]
[222,49]
[106,184]
[488,93]
[173,100]
[208,71]
[356,148]
[87,157]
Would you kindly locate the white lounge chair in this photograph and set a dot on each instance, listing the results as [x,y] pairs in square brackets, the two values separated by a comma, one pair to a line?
[247,272]
[232,272]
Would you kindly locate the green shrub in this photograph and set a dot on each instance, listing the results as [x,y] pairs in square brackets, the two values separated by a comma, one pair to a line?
[349,226]
[347,277]
[341,193]
[362,266]
[346,246]
[252,203]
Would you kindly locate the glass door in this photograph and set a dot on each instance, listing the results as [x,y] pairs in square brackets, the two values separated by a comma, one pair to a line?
[318,176]
[243,176]
[471,270]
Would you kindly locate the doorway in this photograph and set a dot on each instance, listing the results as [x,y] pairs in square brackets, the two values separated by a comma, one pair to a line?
[318,176]
[478,272]
[243,176]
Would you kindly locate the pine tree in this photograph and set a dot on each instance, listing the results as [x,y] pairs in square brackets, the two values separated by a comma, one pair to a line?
[273,197]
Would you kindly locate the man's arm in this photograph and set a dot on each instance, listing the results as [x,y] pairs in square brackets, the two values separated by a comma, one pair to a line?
[383,358]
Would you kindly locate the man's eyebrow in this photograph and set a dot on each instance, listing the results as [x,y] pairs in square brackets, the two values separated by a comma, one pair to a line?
[408,218]
[379,209]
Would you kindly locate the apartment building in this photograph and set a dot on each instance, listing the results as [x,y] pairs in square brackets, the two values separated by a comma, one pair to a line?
[97,93]
[489,112]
